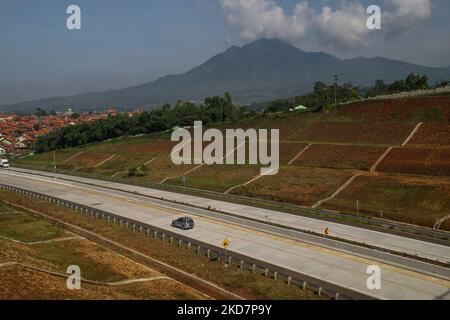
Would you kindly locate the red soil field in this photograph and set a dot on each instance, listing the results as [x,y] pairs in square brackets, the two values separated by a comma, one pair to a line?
[288,150]
[415,200]
[340,157]
[424,161]
[432,135]
[303,186]
[288,125]
[150,147]
[403,108]
[358,132]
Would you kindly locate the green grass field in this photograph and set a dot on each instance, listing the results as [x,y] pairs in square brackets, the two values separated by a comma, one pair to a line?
[23,227]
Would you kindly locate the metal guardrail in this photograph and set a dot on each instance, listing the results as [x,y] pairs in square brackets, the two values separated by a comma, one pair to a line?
[438,269]
[305,281]
[321,214]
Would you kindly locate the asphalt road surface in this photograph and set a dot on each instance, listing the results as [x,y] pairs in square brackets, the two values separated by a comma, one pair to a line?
[335,267]
[378,239]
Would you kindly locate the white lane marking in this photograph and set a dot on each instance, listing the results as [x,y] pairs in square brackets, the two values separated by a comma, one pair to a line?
[342,234]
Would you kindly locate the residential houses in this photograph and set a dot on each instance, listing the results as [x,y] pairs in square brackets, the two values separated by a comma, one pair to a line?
[19,133]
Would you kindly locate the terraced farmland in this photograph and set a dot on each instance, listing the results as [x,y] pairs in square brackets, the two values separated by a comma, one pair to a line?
[217,177]
[357,132]
[302,186]
[339,157]
[432,134]
[424,161]
[416,109]
[415,200]
[335,146]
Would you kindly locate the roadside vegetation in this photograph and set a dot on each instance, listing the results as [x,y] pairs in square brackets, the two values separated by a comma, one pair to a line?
[37,254]
[241,282]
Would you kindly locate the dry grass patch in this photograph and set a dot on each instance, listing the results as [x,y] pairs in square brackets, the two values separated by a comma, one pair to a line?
[303,186]
[413,200]
[244,283]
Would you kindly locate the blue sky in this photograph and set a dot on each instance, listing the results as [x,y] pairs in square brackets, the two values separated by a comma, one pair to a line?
[124,43]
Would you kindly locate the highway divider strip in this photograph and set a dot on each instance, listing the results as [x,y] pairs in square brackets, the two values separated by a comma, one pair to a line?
[400,259]
[381,225]
[244,262]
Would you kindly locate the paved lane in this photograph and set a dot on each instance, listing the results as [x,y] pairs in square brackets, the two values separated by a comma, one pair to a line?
[382,240]
[332,266]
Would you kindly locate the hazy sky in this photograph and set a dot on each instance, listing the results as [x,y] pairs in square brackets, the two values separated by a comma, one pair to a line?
[124,43]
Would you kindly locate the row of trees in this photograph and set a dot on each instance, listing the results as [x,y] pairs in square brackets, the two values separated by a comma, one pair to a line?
[323,97]
[412,82]
[327,96]
[215,109]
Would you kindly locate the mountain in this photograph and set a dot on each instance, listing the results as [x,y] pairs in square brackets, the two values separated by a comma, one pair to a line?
[262,70]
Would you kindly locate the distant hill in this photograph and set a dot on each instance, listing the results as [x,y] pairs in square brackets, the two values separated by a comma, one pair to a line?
[263,70]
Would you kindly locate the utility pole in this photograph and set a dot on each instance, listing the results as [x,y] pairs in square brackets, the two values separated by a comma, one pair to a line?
[357,207]
[336,79]
[54,160]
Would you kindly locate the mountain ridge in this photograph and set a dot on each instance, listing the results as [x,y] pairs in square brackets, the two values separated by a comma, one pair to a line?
[262,70]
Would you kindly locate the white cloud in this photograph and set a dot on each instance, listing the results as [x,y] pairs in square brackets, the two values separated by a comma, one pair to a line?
[264,18]
[342,28]
[406,14]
